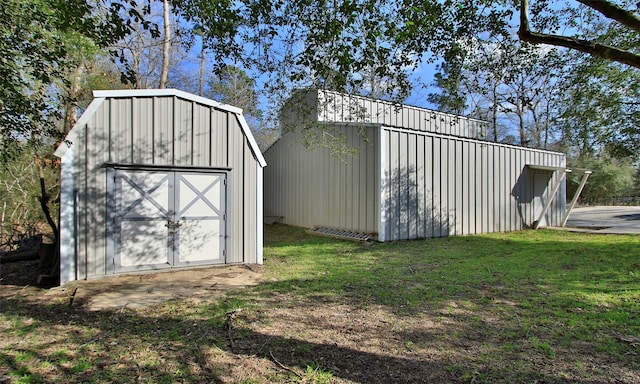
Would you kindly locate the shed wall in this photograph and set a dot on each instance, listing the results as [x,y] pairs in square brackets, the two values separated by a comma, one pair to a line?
[334,107]
[313,188]
[170,132]
[408,184]
[435,185]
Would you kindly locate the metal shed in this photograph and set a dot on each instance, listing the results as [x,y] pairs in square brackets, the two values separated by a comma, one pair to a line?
[158,179]
[420,174]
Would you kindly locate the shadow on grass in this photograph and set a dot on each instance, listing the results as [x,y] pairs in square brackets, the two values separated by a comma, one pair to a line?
[185,350]
[502,309]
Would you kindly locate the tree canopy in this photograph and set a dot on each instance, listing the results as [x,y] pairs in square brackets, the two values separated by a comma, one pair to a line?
[368,47]
[40,45]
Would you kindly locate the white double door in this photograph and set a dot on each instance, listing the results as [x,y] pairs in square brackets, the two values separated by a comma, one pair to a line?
[168,218]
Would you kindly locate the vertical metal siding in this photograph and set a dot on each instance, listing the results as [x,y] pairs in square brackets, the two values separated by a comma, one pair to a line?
[97,138]
[420,185]
[163,131]
[80,167]
[183,132]
[459,189]
[436,202]
[310,188]
[339,108]
[120,134]
[464,186]
[250,214]
[201,136]
[238,207]
[142,131]
[412,191]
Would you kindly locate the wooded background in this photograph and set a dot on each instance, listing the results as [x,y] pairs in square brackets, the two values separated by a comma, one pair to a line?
[559,75]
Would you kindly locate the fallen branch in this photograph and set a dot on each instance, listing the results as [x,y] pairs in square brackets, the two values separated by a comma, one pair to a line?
[633,340]
[229,324]
[21,255]
[73,296]
[279,364]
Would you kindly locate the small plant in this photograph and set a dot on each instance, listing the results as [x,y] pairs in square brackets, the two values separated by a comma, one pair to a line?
[82,365]
[542,347]
[316,375]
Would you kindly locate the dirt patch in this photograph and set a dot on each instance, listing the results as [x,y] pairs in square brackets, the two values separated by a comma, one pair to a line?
[139,290]
[133,291]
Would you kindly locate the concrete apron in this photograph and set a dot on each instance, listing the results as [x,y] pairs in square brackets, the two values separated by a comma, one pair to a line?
[605,219]
[139,290]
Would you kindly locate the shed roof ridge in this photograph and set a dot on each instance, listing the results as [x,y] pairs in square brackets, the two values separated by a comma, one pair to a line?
[101,95]
[400,105]
[150,92]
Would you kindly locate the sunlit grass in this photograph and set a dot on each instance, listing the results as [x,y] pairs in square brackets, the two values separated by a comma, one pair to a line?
[527,298]
[569,285]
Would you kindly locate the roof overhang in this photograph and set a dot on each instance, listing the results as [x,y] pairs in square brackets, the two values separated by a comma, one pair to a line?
[100,96]
[165,92]
[555,186]
[553,169]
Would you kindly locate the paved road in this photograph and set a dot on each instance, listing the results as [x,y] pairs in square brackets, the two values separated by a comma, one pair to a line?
[603,219]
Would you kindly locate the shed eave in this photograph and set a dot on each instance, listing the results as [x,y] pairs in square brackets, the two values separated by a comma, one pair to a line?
[547,168]
[252,141]
[166,92]
[121,93]
[82,121]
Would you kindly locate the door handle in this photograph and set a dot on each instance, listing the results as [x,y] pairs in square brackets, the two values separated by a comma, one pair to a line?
[171,224]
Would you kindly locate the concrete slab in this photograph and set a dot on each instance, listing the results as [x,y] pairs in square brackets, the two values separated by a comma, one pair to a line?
[605,219]
[139,290]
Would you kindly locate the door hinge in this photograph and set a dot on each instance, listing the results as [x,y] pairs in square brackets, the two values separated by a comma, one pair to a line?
[224,217]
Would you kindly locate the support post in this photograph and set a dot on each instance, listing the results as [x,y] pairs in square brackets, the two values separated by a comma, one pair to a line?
[574,200]
[551,197]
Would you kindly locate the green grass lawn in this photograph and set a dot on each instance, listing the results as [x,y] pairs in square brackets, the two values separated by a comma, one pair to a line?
[531,306]
[585,281]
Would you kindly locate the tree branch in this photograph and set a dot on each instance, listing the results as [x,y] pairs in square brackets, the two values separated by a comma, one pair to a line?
[586,46]
[614,12]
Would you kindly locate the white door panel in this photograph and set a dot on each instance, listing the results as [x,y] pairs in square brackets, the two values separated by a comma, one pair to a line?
[200,240]
[144,243]
[167,218]
[201,215]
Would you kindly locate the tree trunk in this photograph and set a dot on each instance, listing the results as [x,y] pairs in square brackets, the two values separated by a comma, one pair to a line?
[50,253]
[203,51]
[494,112]
[44,199]
[166,46]
[71,107]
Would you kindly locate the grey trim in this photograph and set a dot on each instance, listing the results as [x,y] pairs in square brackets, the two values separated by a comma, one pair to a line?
[228,219]
[149,167]
[68,220]
[381,187]
[259,214]
[576,196]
